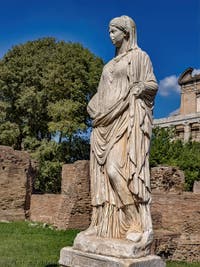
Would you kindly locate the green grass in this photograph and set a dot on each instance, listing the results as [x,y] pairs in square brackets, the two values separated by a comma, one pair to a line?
[182,264]
[26,244]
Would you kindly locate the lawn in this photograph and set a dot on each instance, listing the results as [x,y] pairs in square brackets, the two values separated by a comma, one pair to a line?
[182,264]
[27,244]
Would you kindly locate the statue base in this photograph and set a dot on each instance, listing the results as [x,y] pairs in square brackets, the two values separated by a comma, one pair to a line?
[121,248]
[70,257]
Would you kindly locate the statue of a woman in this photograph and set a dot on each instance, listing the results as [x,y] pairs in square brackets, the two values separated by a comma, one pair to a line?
[122,120]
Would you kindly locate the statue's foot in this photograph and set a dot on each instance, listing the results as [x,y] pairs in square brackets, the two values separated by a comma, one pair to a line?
[148,236]
[92,230]
[134,236]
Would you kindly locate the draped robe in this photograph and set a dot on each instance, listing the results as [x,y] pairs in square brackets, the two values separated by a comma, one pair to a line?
[120,140]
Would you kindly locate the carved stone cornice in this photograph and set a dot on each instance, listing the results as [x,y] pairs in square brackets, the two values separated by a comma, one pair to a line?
[177,120]
[187,77]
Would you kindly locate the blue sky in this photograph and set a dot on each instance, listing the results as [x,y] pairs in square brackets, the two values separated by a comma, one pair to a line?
[168,30]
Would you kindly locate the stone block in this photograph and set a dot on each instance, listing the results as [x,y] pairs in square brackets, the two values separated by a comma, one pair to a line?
[75,206]
[196,187]
[70,257]
[167,179]
[16,176]
[112,247]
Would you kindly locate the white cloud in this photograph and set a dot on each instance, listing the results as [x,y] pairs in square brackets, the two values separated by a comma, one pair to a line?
[169,85]
[175,112]
[195,72]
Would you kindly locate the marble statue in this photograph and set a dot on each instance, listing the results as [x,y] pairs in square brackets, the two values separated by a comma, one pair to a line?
[121,111]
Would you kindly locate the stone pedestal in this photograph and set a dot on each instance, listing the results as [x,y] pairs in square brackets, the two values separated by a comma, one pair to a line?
[70,257]
[121,248]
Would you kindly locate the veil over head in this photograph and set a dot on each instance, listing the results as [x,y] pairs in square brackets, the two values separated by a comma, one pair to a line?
[127,25]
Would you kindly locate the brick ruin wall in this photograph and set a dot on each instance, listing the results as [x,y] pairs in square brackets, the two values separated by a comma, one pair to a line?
[16,175]
[71,209]
[176,214]
[176,220]
[44,207]
[75,207]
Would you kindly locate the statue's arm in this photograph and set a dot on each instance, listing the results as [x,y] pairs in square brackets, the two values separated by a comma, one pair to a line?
[92,107]
[147,85]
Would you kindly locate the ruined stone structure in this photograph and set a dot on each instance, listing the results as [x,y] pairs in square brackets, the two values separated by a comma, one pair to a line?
[167,179]
[176,221]
[16,175]
[71,209]
[196,187]
[187,121]
[175,214]
[44,208]
[75,206]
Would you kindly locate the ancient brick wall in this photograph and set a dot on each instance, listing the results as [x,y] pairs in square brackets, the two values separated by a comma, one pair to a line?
[71,209]
[175,214]
[75,206]
[16,174]
[176,220]
[176,211]
[167,179]
[44,207]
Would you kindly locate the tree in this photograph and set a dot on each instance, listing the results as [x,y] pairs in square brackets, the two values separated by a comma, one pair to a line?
[44,89]
[165,150]
[160,143]
[45,86]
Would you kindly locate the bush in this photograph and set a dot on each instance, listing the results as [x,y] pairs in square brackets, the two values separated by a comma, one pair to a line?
[166,151]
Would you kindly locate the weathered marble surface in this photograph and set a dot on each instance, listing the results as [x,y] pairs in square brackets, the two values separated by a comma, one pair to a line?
[121,248]
[70,257]
[121,110]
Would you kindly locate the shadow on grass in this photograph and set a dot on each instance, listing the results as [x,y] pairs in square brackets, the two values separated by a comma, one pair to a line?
[52,265]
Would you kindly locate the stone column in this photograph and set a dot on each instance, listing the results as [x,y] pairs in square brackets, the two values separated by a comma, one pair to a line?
[187,132]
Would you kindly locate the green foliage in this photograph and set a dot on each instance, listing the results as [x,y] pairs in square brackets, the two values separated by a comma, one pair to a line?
[50,165]
[160,144]
[9,133]
[45,86]
[32,244]
[182,264]
[44,89]
[51,155]
[186,156]
[62,113]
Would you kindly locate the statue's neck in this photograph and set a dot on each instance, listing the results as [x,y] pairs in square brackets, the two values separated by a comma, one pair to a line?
[123,48]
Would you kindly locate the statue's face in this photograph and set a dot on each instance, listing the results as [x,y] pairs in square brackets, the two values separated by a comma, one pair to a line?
[116,36]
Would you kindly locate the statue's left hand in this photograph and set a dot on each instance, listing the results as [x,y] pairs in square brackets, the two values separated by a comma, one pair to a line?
[138,89]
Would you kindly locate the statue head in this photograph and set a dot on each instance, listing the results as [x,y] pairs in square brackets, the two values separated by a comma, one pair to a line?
[128,27]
